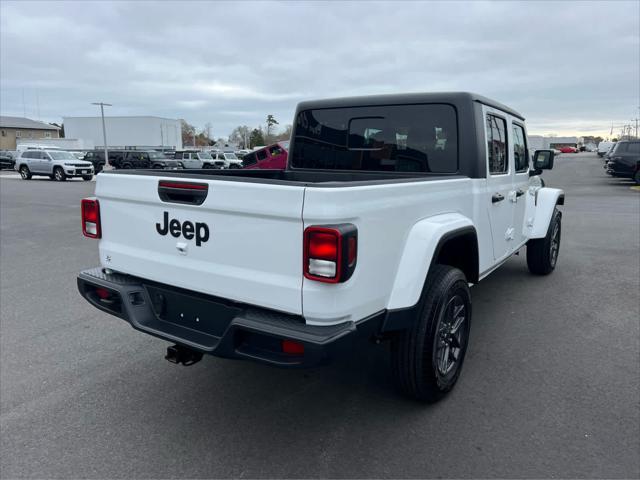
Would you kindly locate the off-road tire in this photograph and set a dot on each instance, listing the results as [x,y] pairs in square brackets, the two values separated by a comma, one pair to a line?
[415,351]
[542,253]
[25,173]
[59,175]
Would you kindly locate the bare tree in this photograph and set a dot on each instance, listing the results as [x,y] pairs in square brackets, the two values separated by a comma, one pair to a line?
[240,135]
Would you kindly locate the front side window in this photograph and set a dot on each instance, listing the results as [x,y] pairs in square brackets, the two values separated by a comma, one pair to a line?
[520,156]
[401,138]
[497,145]
[261,154]
[275,150]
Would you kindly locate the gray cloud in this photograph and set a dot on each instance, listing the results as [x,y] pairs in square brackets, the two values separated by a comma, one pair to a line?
[568,67]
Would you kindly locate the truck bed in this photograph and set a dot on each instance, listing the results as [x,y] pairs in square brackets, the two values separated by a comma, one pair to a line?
[301,178]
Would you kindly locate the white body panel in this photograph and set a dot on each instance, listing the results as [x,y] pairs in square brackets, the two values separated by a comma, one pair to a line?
[253,254]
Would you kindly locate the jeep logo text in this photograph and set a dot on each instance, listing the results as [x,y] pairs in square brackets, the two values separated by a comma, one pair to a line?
[187,229]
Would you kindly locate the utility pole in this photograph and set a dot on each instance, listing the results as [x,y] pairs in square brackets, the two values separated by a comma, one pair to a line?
[107,166]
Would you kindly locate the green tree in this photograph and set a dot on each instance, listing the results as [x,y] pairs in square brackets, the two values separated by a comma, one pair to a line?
[271,122]
[256,138]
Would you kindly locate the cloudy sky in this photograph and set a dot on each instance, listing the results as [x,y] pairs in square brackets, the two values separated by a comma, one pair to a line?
[568,67]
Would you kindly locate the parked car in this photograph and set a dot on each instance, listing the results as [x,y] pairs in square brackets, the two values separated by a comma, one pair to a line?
[128,159]
[96,157]
[607,156]
[241,153]
[194,159]
[568,149]
[227,160]
[7,159]
[604,147]
[389,208]
[270,157]
[56,164]
[624,160]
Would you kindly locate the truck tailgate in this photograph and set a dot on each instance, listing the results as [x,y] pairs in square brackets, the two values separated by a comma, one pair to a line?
[254,248]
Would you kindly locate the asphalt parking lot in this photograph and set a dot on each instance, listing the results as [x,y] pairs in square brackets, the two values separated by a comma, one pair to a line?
[550,387]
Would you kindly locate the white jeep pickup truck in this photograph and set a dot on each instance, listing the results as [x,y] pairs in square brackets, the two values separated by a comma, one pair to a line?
[389,209]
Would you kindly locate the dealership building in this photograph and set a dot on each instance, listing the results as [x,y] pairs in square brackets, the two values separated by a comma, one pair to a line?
[125,132]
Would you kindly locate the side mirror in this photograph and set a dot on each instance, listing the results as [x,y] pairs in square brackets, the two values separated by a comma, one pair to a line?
[543,160]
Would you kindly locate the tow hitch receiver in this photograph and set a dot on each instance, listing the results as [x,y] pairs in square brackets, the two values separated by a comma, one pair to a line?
[178,354]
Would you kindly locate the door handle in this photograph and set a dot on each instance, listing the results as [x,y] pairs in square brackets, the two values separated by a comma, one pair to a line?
[519,192]
[497,198]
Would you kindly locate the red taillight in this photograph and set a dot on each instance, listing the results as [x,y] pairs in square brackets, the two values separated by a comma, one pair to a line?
[330,252]
[324,245]
[103,293]
[91,218]
[292,348]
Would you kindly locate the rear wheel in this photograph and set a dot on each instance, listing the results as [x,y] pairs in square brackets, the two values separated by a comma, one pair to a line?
[427,358]
[25,173]
[542,253]
[126,166]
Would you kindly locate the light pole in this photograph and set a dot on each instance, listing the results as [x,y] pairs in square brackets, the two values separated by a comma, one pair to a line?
[107,166]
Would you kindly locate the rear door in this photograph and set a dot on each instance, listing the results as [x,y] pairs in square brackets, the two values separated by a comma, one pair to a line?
[520,154]
[499,183]
[244,242]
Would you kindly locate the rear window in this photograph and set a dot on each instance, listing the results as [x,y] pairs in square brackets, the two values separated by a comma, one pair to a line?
[403,138]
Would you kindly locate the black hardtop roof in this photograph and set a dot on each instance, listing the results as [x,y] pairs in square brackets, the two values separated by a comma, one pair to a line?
[453,98]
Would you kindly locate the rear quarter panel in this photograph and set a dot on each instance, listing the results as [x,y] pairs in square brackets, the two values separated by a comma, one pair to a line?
[384,215]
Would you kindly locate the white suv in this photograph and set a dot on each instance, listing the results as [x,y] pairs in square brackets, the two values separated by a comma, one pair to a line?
[56,164]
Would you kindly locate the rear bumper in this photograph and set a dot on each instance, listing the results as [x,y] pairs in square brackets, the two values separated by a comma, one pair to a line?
[218,326]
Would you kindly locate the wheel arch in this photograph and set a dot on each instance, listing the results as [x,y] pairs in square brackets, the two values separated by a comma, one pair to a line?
[448,238]
[545,203]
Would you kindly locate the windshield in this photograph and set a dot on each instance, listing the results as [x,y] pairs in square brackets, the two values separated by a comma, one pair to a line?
[157,156]
[230,156]
[61,155]
[403,138]
[204,156]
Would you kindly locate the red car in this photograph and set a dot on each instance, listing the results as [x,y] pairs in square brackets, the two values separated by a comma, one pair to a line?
[271,157]
[568,149]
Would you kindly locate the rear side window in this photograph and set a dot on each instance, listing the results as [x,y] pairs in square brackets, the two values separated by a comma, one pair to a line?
[403,138]
[497,145]
[261,154]
[520,156]
[249,159]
